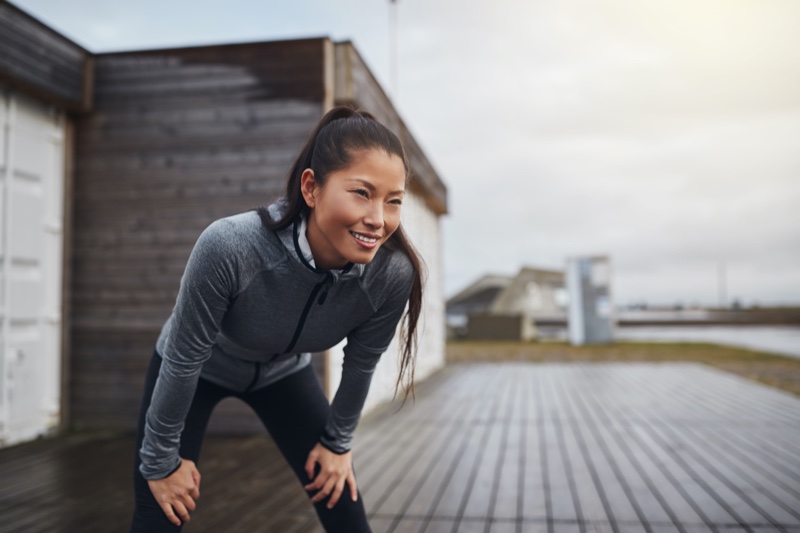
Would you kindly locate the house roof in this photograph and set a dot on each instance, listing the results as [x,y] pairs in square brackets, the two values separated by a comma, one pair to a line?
[482,286]
[499,293]
[509,299]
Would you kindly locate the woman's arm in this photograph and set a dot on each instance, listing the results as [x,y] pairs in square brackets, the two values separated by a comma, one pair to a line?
[365,345]
[363,350]
[208,283]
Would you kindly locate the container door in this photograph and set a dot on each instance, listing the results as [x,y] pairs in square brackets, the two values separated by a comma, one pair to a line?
[31,249]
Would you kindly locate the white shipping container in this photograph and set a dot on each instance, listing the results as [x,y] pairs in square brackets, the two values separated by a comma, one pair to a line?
[31,263]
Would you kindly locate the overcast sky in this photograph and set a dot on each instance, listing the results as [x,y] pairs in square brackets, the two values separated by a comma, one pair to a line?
[663,133]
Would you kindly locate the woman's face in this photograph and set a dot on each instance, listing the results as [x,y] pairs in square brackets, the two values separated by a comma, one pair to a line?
[356,210]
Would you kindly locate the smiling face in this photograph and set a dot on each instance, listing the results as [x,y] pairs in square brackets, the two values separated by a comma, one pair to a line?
[356,209]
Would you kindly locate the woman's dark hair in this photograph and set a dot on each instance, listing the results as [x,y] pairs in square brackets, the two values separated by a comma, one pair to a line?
[339,136]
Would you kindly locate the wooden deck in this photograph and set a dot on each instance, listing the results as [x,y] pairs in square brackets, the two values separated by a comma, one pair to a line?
[618,447]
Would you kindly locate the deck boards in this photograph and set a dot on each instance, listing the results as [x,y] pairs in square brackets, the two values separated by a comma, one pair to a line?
[592,447]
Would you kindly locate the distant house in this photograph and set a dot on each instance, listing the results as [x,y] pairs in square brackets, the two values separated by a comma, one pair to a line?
[501,307]
[111,165]
[477,297]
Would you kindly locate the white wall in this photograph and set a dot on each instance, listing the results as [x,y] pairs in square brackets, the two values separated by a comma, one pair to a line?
[423,228]
[31,248]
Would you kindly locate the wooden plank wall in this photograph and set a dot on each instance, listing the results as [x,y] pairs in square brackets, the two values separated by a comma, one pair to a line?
[40,62]
[177,139]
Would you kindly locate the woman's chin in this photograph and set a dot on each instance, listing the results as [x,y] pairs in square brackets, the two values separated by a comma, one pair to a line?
[363,256]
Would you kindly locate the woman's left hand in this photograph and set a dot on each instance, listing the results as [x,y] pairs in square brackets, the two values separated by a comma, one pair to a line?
[335,471]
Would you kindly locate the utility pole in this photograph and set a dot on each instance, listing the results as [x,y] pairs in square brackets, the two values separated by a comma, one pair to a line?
[393,48]
[721,284]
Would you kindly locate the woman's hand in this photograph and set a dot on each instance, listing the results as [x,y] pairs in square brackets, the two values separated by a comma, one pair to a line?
[176,493]
[335,471]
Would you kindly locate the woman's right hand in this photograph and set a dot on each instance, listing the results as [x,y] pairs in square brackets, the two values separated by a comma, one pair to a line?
[176,493]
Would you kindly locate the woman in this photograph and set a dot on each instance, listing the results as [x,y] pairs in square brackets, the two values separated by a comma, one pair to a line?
[263,289]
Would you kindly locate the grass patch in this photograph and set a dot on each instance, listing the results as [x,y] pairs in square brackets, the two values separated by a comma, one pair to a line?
[778,371]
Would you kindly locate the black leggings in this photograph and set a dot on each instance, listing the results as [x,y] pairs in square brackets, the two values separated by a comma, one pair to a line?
[295,426]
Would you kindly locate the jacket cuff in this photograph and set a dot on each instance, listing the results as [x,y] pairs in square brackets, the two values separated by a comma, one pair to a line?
[329,443]
[151,475]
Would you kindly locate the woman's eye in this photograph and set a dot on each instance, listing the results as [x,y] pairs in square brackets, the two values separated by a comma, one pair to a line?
[362,192]
[396,202]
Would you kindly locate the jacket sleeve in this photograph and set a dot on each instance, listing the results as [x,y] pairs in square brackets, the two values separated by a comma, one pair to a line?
[364,347]
[206,288]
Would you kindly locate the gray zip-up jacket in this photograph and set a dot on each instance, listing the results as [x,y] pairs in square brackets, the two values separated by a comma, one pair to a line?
[249,311]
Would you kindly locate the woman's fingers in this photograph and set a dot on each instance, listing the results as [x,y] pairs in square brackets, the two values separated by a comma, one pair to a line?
[319,482]
[196,478]
[167,508]
[178,509]
[318,486]
[176,493]
[181,511]
[335,471]
[332,485]
[194,493]
[310,462]
[324,491]
[351,481]
[337,492]
[188,502]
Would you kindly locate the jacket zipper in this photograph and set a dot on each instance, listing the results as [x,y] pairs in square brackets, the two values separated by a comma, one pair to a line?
[326,283]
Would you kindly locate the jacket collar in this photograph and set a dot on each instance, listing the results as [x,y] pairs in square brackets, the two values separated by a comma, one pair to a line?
[296,243]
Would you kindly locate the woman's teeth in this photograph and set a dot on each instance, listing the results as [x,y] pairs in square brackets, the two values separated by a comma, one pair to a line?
[363,238]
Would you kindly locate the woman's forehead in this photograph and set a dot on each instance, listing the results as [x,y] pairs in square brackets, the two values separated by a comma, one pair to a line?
[375,169]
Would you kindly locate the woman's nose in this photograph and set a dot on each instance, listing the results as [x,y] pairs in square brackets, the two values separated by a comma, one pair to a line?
[374,217]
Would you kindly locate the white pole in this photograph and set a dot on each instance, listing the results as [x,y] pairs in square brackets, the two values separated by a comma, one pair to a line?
[393,48]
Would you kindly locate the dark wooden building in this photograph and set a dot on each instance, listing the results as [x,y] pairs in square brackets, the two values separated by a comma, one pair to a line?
[159,143]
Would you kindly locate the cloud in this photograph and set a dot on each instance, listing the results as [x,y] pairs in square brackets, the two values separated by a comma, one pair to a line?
[665,136]
[662,133]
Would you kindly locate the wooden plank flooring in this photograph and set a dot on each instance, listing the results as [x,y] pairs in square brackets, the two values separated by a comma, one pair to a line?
[595,447]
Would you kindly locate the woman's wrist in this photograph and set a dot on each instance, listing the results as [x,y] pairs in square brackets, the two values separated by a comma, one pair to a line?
[337,451]
[153,470]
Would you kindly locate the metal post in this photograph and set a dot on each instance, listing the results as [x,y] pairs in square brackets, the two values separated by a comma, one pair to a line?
[393,48]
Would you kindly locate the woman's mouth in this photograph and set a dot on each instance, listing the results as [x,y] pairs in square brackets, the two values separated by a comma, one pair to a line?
[365,240]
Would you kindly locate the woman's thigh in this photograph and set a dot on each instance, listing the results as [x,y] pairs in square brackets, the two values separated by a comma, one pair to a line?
[295,411]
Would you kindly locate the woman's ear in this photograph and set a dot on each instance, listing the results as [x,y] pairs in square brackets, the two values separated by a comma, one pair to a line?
[308,186]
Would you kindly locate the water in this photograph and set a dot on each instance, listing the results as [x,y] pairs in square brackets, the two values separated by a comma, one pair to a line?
[783,340]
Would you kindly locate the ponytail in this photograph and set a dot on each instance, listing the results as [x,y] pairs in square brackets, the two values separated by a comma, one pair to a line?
[296,204]
[408,324]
